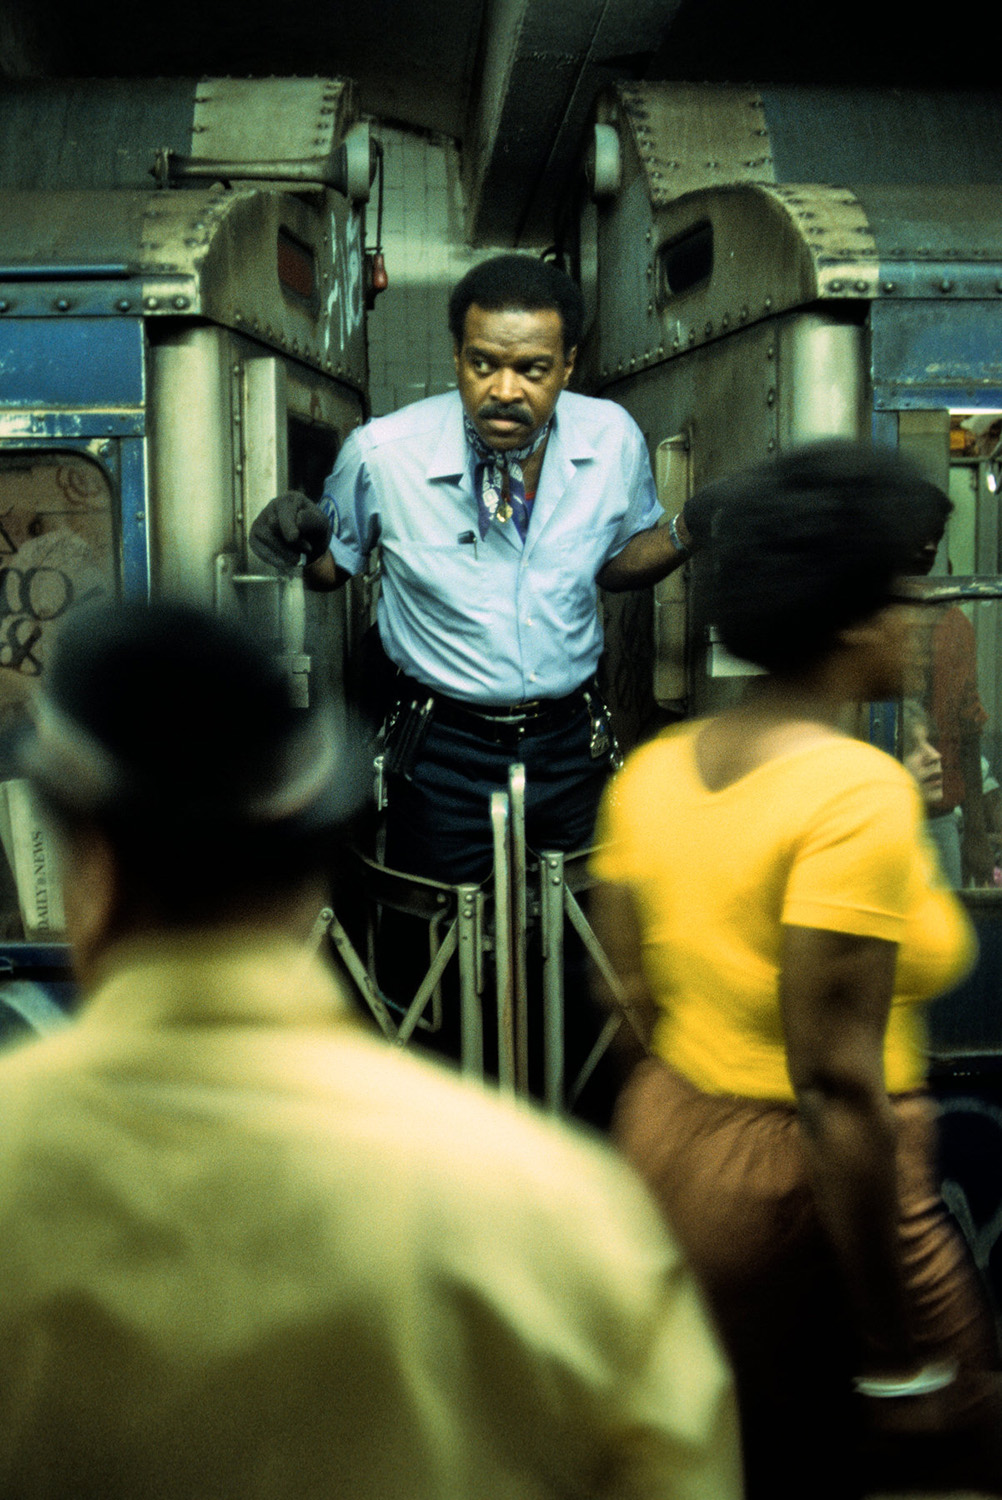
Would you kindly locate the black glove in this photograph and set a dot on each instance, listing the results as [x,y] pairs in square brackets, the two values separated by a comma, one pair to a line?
[289,528]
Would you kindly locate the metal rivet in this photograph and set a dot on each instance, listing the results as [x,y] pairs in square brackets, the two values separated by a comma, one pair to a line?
[151,303]
[4,305]
[123,304]
[946,285]
[180,302]
[890,286]
[834,286]
[770,399]
[63,304]
[861,286]
[767,304]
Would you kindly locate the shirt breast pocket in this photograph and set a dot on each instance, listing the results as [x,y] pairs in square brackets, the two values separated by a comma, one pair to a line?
[455,582]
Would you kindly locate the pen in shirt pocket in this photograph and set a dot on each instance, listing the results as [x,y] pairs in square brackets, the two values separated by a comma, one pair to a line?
[469,537]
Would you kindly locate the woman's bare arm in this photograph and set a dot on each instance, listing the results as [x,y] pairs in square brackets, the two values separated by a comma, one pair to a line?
[835,992]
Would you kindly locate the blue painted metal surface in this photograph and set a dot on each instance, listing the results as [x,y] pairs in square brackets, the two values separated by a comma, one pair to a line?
[71,426]
[87,363]
[926,355]
[135,520]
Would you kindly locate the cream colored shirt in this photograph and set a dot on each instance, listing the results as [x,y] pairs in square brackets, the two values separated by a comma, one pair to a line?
[249,1251]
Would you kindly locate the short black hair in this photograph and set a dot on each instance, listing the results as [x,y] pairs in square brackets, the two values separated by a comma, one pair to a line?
[809,544]
[521,282]
[173,731]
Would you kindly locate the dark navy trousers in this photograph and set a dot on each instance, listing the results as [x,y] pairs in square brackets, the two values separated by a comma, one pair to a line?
[438,821]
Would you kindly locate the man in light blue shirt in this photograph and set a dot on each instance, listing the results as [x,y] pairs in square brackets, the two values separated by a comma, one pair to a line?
[499,510]
[490,618]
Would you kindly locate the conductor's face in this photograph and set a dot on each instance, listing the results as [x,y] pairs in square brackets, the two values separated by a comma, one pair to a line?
[510,368]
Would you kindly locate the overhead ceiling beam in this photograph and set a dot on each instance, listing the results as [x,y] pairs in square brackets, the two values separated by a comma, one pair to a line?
[542,63]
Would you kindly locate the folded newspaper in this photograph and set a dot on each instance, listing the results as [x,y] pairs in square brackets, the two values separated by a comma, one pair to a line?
[31,854]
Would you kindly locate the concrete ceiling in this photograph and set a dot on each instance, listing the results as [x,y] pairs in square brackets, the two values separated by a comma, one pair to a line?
[512,80]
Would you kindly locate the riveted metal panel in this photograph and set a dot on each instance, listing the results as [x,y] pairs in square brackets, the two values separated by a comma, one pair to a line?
[932,354]
[689,135]
[940,242]
[722,398]
[93,133]
[208,252]
[775,248]
[271,119]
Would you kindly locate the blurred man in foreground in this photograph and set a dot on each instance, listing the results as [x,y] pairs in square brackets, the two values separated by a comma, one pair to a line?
[246,1249]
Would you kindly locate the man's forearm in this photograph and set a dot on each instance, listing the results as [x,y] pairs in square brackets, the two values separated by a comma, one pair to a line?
[647,558]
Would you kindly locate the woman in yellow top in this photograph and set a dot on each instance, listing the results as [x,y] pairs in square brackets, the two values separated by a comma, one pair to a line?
[776,921]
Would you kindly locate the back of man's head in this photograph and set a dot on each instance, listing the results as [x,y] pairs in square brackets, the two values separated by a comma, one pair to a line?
[172,732]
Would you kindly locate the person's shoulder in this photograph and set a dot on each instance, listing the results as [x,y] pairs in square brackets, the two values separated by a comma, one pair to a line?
[594,414]
[667,747]
[859,760]
[844,777]
[467,1149]
[419,419]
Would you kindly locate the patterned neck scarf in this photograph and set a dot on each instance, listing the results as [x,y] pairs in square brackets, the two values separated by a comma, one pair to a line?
[489,475]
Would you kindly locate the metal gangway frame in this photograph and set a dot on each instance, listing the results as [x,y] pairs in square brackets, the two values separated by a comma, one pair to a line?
[525,896]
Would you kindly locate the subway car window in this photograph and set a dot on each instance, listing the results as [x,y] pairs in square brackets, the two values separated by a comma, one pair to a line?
[57,550]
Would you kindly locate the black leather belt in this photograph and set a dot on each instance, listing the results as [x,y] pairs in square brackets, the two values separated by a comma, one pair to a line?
[488,718]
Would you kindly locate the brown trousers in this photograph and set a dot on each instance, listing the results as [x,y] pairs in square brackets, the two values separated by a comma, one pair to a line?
[729,1174]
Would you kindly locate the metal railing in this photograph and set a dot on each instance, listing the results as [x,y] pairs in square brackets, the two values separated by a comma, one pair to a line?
[486,931]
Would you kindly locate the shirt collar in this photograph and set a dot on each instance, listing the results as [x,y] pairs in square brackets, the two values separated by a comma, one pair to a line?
[214,977]
[453,456]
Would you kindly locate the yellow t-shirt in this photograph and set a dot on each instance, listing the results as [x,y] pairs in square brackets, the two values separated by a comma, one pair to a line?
[828,836]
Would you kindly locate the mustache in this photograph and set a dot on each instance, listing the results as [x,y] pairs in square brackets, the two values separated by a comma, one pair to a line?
[514,413]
